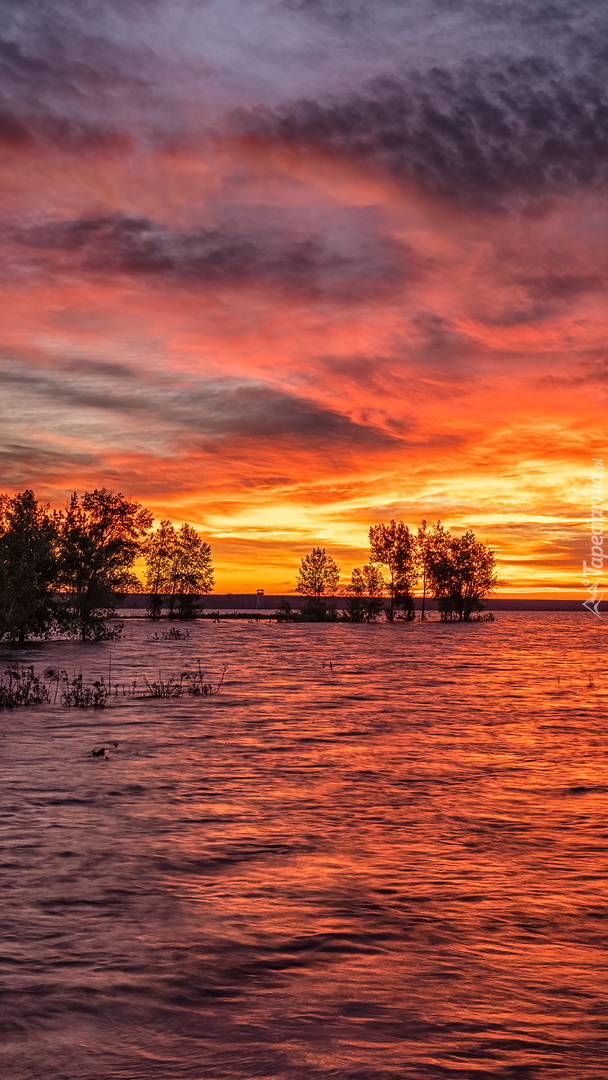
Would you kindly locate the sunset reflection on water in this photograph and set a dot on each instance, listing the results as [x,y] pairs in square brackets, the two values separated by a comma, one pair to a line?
[391,867]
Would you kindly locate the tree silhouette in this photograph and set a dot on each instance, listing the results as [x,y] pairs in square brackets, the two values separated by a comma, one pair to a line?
[192,571]
[461,571]
[159,552]
[422,562]
[318,574]
[28,567]
[394,546]
[365,593]
[100,536]
[178,564]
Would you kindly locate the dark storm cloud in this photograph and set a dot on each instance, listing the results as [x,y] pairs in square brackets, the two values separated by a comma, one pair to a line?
[347,263]
[192,413]
[14,131]
[562,287]
[257,411]
[491,133]
[24,462]
[543,298]
[57,65]
[470,99]
[345,14]
[102,369]
[66,134]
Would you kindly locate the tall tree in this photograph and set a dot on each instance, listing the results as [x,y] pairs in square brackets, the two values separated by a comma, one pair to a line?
[394,546]
[365,594]
[191,571]
[422,560]
[159,550]
[178,566]
[28,567]
[462,571]
[318,574]
[100,537]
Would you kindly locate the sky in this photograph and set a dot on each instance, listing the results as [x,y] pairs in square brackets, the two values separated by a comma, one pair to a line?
[284,269]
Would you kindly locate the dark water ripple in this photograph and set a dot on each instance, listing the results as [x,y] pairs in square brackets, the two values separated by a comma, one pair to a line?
[381,852]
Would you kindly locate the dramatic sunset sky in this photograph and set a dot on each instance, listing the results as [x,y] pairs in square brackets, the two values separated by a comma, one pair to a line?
[286,268]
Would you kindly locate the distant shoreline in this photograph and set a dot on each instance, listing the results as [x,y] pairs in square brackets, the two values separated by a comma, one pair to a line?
[269,602]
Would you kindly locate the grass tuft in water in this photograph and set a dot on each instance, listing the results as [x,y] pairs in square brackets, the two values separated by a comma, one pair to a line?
[188,682]
[20,686]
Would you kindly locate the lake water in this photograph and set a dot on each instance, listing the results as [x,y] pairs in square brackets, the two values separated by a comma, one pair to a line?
[379,852]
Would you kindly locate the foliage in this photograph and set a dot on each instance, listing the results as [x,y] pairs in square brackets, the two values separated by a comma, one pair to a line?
[77,694]
[365,592]
[422,562]
[189,682]
[28,567]
[285,612]
[20,686]
[394,546]
[68,569]
[316,610]
[318,574]
[99,539]
[461,571]
[178,565]
[158,549]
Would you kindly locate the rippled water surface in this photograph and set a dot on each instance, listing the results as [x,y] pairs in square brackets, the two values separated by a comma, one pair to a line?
[378,852]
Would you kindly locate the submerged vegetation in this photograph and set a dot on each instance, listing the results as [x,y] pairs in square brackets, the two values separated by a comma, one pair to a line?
[22,686]
[188,682]
[64,572]
[178,571]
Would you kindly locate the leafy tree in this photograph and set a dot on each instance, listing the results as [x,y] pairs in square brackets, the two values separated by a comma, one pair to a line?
[178,564]
[422,560]
[365,594]
[159,550]
[318,574]
[461,571]
[316,610]
[191,572]
[100,536]
[28,567]
[285,612]
[394,546]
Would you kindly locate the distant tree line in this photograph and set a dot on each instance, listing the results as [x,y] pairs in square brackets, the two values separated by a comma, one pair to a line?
[456,571]
[65,571]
